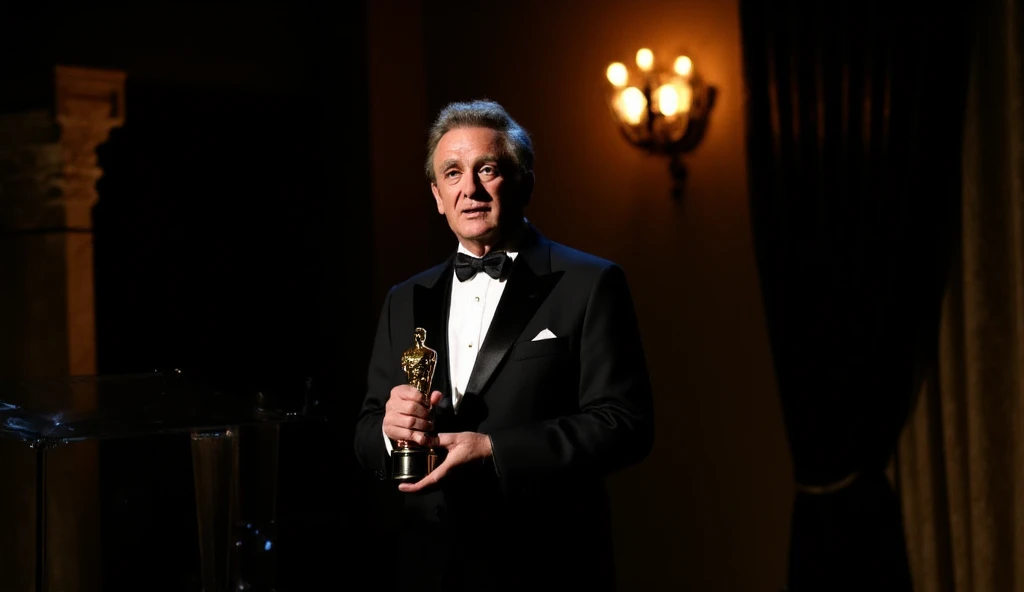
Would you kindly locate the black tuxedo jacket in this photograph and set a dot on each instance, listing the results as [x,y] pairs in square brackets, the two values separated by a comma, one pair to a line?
[562,413]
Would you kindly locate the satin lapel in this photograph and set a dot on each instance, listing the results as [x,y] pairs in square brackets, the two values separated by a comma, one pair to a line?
[523,295]
[430,311]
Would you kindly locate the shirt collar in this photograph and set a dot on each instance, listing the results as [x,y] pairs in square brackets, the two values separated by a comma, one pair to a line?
[510,252]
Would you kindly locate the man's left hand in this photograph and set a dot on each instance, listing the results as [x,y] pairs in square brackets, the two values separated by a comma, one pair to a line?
[462,447]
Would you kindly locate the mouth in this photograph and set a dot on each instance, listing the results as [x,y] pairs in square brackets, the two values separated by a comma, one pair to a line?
[475,211]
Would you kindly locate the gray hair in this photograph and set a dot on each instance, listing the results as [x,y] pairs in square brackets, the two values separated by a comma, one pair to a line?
[482,113]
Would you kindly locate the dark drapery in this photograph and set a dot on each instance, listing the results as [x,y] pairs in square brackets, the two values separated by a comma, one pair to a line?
[960,470]
[854,115]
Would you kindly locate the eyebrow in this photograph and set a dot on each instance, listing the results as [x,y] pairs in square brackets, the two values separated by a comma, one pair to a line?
[448,164]
[451,162]
[485,158]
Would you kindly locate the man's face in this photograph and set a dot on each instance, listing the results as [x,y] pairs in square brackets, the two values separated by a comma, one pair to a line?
[470,190]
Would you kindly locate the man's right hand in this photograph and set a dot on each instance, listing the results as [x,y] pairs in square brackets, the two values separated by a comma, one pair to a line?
[407,415]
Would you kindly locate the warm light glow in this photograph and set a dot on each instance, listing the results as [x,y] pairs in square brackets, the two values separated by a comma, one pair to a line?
[668,99]
[659,109]
[617,74]
[631,105]
[685,97]
[645,59]
[683,66]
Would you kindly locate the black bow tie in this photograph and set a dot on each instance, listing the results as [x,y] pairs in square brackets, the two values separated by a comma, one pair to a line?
[495,264]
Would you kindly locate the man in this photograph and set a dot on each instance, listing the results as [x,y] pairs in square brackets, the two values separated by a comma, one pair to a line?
[540,390]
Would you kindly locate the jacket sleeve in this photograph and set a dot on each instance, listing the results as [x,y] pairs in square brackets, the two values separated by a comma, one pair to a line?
[369,443]
[614,425]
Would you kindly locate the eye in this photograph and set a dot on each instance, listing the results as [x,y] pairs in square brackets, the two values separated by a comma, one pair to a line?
[488,170]
[451,174]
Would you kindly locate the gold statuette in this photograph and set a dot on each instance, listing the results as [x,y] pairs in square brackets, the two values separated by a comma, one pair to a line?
[409,461]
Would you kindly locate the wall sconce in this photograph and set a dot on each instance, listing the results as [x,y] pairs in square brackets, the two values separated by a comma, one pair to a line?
[661,111]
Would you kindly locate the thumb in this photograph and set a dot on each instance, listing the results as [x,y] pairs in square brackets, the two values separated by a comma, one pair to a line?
[435,398]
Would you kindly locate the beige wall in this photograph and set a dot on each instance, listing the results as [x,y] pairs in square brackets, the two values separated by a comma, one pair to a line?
[709,509]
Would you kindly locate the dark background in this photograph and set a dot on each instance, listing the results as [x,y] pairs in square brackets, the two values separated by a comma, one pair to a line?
[232,228]
[265,191]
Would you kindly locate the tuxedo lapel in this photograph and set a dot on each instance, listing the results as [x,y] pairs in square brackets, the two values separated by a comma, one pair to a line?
[430,311]
[528,286]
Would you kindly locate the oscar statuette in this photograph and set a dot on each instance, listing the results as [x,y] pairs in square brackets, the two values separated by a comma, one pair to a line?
[411,462]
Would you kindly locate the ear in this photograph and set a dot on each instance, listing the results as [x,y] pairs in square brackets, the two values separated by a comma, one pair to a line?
[527,184]
[437,198]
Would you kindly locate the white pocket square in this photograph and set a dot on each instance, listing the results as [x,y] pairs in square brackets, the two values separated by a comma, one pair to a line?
[545,334]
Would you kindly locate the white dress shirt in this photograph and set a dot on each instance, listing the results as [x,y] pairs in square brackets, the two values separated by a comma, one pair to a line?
[472,308]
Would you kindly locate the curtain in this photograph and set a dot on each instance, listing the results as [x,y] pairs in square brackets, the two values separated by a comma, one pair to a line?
[854,125]
[961,459]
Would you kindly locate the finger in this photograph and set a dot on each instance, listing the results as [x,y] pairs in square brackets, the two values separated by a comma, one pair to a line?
[425,482]
[402,407]
[435,398]
[419,420]
[418,437]
[411,422]
[421,438]
[446,440]
[397,433]
[407,392]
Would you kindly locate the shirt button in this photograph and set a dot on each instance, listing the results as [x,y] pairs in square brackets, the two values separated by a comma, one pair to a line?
[470,345]
[477,298]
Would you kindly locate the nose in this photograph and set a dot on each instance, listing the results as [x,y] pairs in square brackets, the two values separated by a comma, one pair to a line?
[469,186]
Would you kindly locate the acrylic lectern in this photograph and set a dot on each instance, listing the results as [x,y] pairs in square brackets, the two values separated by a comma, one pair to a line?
[234,548]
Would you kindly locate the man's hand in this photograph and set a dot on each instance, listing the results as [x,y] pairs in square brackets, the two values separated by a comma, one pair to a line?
[463,447]
[407,414]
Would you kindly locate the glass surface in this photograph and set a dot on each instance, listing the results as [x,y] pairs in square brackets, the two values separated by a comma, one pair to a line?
[215,465]
[236,494]
[256,536]
[58,410]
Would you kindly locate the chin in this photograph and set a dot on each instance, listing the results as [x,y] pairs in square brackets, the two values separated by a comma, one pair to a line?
[478,231]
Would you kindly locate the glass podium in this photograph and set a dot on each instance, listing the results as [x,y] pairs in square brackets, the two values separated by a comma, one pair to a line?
[235,547]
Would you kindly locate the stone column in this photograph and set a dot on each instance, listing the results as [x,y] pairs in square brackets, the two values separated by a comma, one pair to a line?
[48,174]
[89,104]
